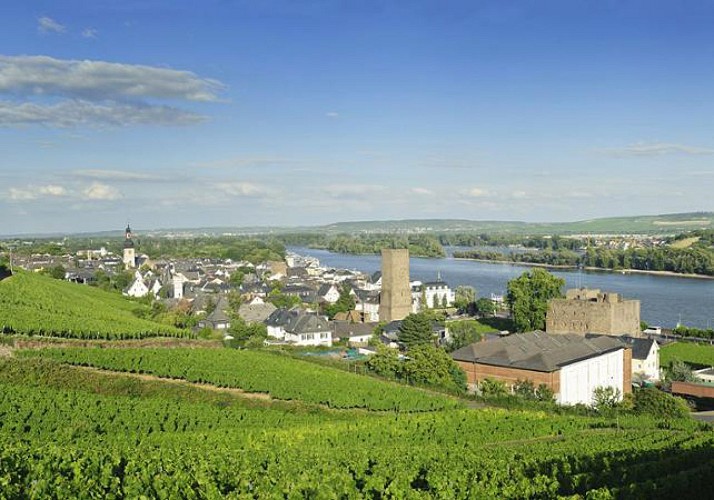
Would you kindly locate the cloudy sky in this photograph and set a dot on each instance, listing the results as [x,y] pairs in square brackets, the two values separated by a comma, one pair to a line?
[287,112]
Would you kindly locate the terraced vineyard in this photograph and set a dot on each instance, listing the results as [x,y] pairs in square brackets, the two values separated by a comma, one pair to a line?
[31,304]
[254,371]
[90,438]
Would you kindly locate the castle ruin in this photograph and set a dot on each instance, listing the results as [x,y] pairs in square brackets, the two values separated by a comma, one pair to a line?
[592,311]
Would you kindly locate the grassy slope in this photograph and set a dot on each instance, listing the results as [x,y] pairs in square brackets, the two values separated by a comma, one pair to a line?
[34,304]
[83,434]
[696,354]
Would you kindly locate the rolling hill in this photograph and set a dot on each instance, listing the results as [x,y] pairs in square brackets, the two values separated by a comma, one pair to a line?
[32,304]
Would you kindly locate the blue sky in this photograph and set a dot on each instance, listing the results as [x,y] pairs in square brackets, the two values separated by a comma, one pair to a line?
[242,113]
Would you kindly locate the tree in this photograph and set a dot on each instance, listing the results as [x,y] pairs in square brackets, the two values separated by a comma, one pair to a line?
[415,330]
[385,362]
[679,371]
[57,272]
[606,397]
[485,307]
[435,301]
[429,365]
[345,303]
[464,298]
[463,333]
[528,297]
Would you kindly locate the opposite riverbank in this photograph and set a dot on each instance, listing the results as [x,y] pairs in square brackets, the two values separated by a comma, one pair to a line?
[589,268]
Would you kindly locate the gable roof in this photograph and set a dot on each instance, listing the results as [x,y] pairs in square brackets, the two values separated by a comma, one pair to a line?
[256,313]
[640,347]
[537,351]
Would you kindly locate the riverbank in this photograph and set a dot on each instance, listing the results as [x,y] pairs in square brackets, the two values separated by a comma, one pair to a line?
[589,268]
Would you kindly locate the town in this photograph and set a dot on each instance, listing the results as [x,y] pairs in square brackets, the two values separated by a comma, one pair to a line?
[589,340]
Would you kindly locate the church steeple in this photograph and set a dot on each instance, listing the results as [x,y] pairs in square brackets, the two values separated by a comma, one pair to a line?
[129,252]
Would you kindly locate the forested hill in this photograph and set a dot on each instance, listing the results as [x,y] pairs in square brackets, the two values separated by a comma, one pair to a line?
[646,224]
[32,304]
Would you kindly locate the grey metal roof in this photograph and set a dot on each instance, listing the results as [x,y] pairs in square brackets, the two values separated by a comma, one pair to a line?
[537,350]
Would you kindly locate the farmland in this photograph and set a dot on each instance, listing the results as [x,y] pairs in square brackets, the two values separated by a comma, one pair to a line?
[692,353]
[67,431]
[31,304]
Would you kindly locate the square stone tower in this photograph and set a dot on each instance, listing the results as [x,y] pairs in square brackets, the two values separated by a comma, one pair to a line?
[395,300]
[592,311]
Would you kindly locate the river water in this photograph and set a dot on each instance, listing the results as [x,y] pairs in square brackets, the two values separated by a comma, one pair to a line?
[665,300]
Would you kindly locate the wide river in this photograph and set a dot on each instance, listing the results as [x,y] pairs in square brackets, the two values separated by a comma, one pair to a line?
[665,299]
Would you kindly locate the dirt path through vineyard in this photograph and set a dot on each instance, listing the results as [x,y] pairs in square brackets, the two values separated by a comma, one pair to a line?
[207,387]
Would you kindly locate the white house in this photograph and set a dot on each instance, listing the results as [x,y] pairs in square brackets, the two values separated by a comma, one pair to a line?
[328,293]
[299,327]
[645,358]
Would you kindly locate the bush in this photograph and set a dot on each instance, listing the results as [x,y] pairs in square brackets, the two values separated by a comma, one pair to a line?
[606,397]
[651,401]
[492,388]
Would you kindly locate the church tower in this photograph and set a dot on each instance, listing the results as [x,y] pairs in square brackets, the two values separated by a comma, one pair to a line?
[129,250]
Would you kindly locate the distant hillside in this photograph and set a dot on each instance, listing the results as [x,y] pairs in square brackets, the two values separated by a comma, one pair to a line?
[646,224]
[31,304]
[643,224]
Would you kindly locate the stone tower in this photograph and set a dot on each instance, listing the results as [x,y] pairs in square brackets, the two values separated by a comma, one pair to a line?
[592,311]
[395,300]
[129,250]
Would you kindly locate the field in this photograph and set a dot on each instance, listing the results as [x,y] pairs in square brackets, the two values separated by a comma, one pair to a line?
[68,432]
[257,372]
[694,354]
[31,304]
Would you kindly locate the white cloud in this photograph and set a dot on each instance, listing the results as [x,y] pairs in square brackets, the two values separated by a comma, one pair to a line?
[242,189]
[35,192]
[421,190]
[48,25]
[102,192]
[332,114]
[256,161]
[89,33]
[73,113]
[101,80]
[353,191]
[655,149]
[519,194]
[116,175]
[476,192]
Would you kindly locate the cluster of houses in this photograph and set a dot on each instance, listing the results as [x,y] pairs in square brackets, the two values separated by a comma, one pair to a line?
[591,339]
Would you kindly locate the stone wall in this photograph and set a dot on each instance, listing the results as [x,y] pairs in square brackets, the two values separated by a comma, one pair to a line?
[603,313]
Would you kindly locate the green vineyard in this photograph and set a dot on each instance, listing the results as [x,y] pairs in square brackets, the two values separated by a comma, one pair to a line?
[31,304]
[254,371]
[68,432]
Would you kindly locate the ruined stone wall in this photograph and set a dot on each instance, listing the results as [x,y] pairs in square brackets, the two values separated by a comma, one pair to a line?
[607,314]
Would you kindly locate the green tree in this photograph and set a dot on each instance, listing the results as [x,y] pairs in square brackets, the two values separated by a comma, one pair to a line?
[57,272]
[345,303]
[415,330]
[385,362]
[464,298]
[528,297]
[679,371]
[485,307]
[429,365]
[463,333]
[606,397]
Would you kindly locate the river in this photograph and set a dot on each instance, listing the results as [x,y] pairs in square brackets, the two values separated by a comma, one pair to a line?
[665,300]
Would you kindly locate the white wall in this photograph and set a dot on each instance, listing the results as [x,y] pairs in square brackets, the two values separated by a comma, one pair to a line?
[579,379]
